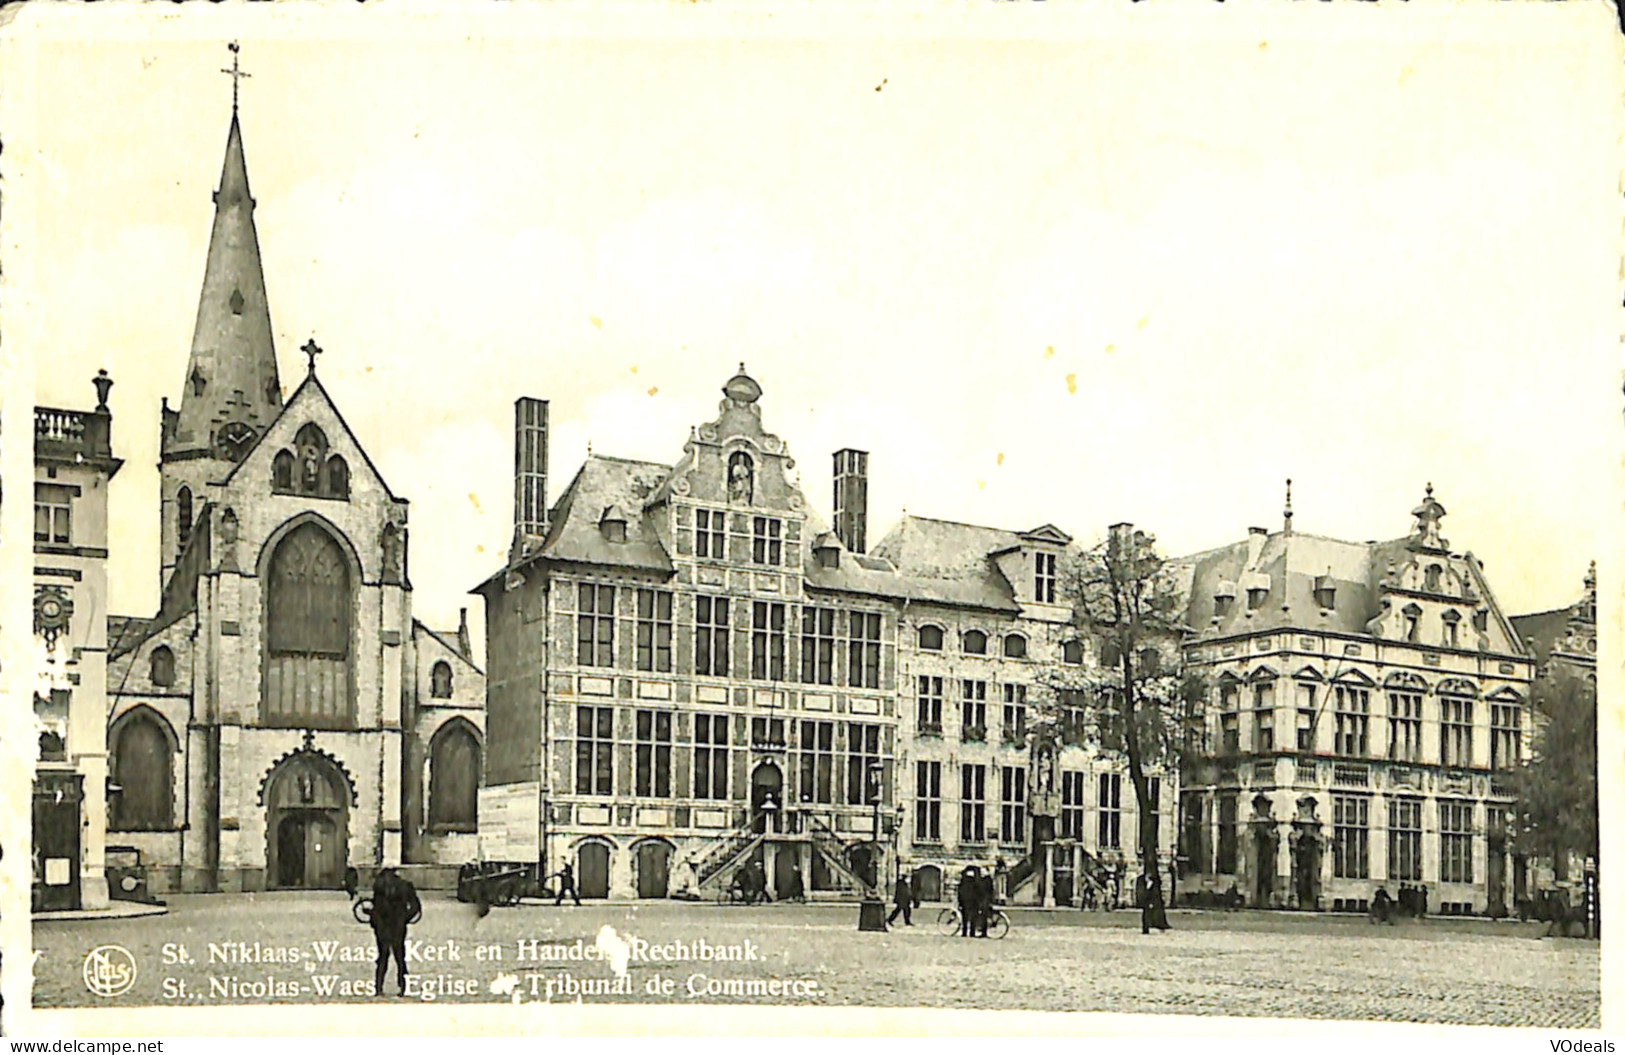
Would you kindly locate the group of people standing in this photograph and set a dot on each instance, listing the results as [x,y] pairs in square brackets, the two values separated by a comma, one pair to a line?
[976,899]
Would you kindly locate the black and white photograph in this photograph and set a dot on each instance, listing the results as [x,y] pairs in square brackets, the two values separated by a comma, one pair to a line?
[837,516]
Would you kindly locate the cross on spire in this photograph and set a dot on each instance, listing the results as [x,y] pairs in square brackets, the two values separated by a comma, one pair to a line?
[312,350]
[235,73]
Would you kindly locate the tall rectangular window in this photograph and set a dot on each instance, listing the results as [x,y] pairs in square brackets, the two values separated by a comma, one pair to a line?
[1072,806]
[862,760]
[1455,842]
[767,641]
[53,513]
[863,650]
[653,734]
[595,750]
[766,541]
[1015,713]
[1506,735]
[1013,805]
[1226,861]
[928,705]
[710,534]
[711,636]
[1351,823]
[1230,718]
[710,756]
[1306,716]
[972,804]
[818,645]
[973,709]
[1192,833]
[1405,726]
[1044,578]
[1405,839]
[595,625]
[1109,816]
[654,630]
[815,762]
[1264,717]
[928,801]
[1353,715]
[1455,731]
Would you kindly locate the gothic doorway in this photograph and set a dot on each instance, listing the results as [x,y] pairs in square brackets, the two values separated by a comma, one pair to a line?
[592,870]
[654,868]
[307,825]
[767,798]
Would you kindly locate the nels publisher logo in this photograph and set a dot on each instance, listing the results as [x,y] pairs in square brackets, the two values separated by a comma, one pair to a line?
[109,970]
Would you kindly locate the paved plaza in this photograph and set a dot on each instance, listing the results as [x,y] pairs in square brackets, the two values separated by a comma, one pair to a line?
[222,949]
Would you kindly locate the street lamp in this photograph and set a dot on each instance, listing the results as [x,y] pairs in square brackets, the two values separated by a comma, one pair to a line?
[872,912]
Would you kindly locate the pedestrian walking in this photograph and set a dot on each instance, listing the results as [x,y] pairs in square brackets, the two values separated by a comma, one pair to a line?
[395,906]
[1154,915]
[903,892]
[567,885]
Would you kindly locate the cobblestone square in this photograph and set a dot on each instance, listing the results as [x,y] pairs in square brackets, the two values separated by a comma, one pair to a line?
[307,948]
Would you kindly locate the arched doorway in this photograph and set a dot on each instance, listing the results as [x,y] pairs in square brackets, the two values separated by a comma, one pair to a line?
[928,883]
[767,798]
[654,868]
[592,870]
[861,860]
[307,825]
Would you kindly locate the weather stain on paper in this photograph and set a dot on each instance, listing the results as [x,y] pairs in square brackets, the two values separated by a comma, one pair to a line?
[1001,458]
[1072,384]
[597,323]
[652,391]
[1049,351]
[475,500]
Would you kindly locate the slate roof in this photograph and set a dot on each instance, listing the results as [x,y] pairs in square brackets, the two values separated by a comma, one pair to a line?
[574,535]
[947,562]
[1292,563]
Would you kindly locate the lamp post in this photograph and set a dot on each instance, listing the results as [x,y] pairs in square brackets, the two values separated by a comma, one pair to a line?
[872,912]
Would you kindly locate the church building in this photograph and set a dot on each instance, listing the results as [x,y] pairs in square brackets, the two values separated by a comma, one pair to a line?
[282,716]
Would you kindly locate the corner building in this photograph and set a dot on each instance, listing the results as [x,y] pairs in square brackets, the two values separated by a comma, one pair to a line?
[1367,702]
[691,672]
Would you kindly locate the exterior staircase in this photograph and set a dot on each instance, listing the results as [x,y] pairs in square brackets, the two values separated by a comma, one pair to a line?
[730,850]
[833,849]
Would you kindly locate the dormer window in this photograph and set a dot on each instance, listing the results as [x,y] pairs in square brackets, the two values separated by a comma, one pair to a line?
[1224,599]
[931,638]
[1413,622]
[1325,592]
[1452,626]
[827,551]
[1044,578]
[1256,596]
[974,643]
[613,525]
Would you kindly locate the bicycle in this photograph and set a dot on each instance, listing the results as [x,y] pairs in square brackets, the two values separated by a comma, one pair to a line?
[949,920]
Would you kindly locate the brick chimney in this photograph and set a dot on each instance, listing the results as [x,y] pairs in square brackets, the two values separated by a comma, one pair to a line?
[529,475]
[852,498]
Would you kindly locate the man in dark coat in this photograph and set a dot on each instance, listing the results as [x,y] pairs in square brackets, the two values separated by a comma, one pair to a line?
[567,885]
[968,892]
[986,896]
[903,891]
[1382,906]
[395,906]
[1153,914]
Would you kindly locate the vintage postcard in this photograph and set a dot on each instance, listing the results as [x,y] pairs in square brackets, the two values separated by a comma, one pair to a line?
[976,517]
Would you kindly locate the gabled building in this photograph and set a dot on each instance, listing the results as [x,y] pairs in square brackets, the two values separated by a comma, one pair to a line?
[1367,701]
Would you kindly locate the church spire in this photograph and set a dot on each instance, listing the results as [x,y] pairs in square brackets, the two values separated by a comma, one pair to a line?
[232,391]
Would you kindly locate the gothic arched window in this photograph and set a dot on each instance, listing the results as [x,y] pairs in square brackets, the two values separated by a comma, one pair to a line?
[308,612]
[440,681]
[454,778]
[142,767]
[183,515]
[338,477]
[282,471]
[162,671]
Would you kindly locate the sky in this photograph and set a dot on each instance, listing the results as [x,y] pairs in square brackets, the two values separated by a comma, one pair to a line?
[1046,268]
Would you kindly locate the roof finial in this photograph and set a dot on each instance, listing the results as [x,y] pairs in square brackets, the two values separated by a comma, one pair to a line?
[1288,511]
[312,350]
[236,74]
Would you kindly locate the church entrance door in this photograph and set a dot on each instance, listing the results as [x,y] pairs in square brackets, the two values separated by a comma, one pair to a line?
[307,824]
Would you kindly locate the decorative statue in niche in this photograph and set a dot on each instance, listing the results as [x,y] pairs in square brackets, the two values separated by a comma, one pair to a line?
[392,553]
[741,478]
[228,527]
[311,463]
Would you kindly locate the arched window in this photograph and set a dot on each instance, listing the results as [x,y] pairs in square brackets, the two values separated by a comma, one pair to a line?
[308,611]
[338,477]
[454,778]
[741,478]
[974,642]
[1431,578]
[1072,652]
[1452,628]
[183,515]
[440,681]
[931,638]
[1413,621]
[282,471]
[163,666]
[1015,646]
[142,768]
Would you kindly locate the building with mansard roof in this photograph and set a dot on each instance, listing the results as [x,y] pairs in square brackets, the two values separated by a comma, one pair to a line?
[283,716]
[691,673]
[1368,699]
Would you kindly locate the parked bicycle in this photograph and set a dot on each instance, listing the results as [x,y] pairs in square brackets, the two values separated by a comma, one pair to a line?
[949,920]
